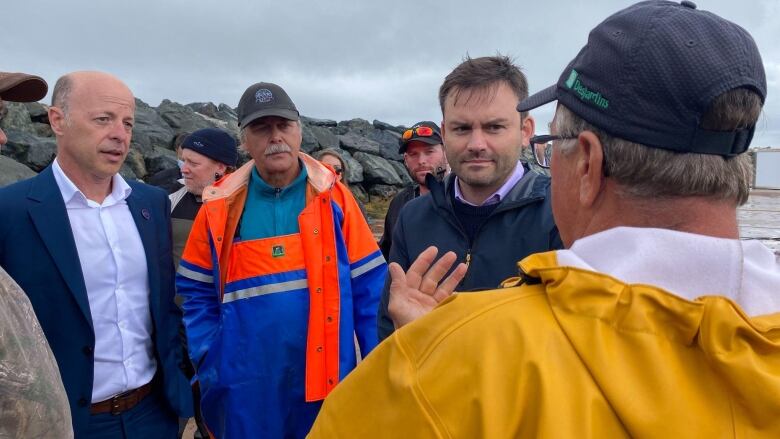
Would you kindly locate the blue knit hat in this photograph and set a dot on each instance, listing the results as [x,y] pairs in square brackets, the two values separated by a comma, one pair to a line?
[215,144]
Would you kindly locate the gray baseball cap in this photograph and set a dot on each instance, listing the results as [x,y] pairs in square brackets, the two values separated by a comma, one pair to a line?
[265,99]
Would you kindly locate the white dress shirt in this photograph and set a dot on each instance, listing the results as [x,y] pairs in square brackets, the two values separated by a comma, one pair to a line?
[685,264]
[113,262]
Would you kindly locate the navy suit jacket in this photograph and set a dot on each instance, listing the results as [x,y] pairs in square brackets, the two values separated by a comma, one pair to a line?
[38,250]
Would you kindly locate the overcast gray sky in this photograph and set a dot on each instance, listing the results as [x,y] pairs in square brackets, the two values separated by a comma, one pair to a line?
[337,59]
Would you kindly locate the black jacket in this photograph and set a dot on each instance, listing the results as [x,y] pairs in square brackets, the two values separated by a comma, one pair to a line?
[398,202]
[521,225]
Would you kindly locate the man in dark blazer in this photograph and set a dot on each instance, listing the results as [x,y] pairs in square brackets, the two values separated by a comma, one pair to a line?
[93,254]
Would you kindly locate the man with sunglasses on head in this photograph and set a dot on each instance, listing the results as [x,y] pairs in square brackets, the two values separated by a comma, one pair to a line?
[492,210]
[421,146]
[657,321]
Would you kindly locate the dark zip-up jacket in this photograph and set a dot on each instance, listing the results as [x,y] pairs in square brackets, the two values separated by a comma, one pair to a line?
[398,203]
[521,225]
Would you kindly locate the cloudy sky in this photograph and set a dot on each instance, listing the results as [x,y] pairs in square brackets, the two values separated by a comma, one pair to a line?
[337,59]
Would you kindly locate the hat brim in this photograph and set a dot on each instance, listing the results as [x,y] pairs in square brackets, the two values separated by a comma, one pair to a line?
[21,87]
[429,140]
[279,112]
[536,100]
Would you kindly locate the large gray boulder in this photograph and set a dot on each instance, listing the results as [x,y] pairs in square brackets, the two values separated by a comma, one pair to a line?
[29,149]
[359,193]
[151,130]
[354,142]
[17,118]
[309,143]
[12,171]
[318,122]
[378,124]
[325,138]
[389,141]
[221,116]
[400,168]
[38,112]
[135,160]
[43,129]
[204,108]
[181,118]
[160,159]
[360,126]
[377,170]
[126,171]
[354,168]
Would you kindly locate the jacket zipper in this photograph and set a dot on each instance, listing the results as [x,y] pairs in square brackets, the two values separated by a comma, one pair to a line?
[472,243]
[277,195]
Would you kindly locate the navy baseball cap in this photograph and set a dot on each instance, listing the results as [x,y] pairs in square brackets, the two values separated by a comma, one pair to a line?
[215,144]
[649,72]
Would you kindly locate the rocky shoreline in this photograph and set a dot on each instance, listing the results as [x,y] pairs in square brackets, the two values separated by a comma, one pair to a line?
[370,148]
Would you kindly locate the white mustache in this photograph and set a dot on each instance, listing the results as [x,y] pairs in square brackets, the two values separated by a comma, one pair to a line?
[276,148]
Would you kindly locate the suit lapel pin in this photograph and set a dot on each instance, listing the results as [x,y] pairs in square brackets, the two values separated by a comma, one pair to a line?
[146,214]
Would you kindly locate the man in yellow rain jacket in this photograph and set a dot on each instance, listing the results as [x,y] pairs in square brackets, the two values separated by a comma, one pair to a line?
[280,274]
[657,321]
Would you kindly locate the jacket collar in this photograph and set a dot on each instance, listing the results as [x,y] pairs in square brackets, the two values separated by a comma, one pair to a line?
[576,292]
[318,176]
[533,186]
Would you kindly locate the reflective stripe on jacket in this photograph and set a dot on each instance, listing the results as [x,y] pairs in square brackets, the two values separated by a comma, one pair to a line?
[251,307]
[570,353]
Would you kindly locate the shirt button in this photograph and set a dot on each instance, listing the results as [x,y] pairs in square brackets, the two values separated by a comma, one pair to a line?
[83,402]
[319,290]
[316,231]
[330,319]
[88,351]
[319,348]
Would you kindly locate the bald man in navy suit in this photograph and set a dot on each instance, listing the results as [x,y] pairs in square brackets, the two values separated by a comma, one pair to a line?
[93,253]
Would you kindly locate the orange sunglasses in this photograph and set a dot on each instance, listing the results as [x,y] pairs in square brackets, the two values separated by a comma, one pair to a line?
[421,131]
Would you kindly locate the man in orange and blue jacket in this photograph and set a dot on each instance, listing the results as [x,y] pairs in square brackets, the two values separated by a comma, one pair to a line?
[279,275]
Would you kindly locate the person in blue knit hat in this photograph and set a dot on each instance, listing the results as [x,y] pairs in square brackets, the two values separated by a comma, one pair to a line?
[207,155]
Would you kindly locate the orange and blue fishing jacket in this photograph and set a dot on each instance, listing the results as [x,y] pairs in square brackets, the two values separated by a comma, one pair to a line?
[271,323]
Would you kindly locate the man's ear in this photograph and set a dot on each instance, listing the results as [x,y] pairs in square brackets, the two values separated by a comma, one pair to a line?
[528,128]
[57,120]
[590,162]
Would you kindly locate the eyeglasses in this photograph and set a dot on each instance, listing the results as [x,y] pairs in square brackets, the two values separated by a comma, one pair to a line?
[421,131]
[542,148]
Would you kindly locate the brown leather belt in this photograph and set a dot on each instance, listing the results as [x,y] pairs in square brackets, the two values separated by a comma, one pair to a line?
[122,402]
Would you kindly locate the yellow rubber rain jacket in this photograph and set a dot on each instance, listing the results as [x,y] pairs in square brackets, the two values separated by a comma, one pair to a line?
[567,354]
